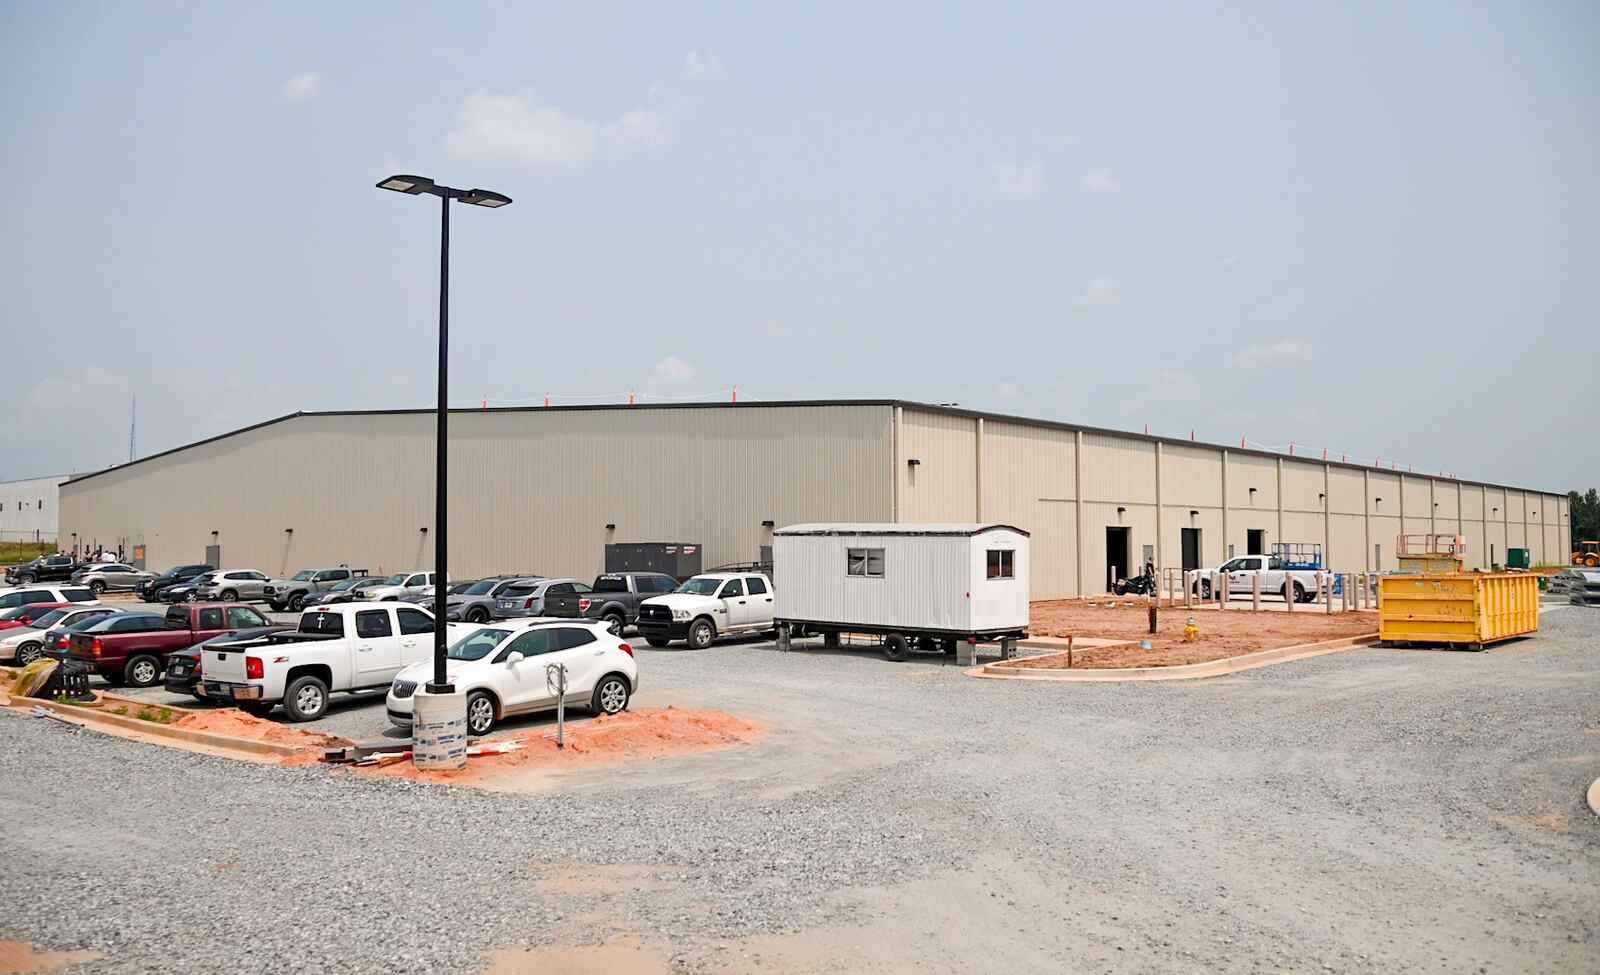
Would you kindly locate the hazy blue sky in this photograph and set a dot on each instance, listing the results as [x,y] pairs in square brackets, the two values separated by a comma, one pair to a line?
[1371,227]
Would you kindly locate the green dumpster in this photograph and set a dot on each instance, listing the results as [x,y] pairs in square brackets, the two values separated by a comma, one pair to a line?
[1518,558]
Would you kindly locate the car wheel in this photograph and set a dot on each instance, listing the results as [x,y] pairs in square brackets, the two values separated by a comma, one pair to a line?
[477,614]
[26,579]
[701,634]
[305,699]
[191,596]
[142,671]
[97,587]
[256,709]
[228,596]
[658,641]
[480,713]
[1205,589]
[610,695]
[297,602]
[28,653]
[1298,590]
[895,646]
[614,623]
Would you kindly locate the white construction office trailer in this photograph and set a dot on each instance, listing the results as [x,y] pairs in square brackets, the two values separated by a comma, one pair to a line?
[937,585]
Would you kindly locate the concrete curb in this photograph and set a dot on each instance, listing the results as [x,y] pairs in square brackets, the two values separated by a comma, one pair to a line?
[1209,668]
[89,717]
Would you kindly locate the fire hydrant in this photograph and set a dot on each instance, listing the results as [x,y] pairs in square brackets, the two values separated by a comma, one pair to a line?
[1191,633]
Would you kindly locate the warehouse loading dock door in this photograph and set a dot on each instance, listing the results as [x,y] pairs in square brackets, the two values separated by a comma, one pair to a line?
[1191,548]
[213,554]
[1117,543]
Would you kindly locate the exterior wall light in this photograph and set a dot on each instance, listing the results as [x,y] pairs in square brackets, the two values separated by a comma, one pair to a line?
[769,523]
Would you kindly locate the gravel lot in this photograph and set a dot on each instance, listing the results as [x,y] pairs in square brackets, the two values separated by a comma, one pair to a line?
[1376,810]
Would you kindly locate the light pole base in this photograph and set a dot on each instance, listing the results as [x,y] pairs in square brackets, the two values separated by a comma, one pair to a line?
[439,730]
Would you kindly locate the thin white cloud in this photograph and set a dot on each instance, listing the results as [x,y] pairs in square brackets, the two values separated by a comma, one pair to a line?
[1101,180]
[1017,184]
[672,370]
[303,87]
[697,65]
[1281,351]
[1104,291]
[520,129]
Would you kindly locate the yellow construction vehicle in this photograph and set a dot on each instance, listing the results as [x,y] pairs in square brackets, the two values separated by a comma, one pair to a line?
[1587,553]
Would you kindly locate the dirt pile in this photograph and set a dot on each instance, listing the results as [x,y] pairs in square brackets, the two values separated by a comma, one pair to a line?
[237,724]
[631,736]
[1222,634]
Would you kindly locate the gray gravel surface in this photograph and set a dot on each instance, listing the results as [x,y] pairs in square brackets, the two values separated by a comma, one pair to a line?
[1378,810]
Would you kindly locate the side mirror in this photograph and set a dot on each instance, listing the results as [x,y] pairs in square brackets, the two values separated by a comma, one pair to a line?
[515,657]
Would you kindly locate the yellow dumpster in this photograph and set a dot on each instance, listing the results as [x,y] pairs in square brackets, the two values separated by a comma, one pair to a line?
[1467,609]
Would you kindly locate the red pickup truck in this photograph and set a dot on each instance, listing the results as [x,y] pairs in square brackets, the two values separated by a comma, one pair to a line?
[132,648]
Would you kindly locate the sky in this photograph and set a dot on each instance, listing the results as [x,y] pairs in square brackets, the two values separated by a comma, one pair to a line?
[1367,227]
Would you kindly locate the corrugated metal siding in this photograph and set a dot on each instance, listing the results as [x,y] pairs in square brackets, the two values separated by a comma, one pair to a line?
[929,582]
[531,491]
[944,486]
[1472,508]
[1303,486]
[1344,491]
[1175,519]
[1192,476]
[1347,548]
[1028,482]
[1419,506]
[1244,473]
[1119,470]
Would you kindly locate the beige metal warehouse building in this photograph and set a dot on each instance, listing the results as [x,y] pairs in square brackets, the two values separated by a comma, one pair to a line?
[543,490]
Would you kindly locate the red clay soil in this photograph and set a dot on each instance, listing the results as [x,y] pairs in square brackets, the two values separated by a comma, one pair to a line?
[237,724]
[633,735]
[1222,634]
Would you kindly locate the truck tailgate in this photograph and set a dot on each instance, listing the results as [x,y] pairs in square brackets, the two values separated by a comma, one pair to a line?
[565,604]
[224,665]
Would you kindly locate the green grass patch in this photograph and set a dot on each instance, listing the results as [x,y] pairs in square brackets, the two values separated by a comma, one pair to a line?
[16,553]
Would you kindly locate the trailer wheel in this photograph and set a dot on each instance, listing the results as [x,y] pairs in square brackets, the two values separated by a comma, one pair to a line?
[895,646]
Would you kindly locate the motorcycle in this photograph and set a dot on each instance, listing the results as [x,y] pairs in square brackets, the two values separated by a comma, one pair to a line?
[1144,585]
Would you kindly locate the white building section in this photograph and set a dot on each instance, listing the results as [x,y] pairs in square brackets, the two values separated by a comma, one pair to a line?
[939,578]
[30,509]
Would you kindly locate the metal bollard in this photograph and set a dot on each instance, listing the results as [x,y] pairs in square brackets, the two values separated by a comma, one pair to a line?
[1255,593]
[1324,587]
[1221,595]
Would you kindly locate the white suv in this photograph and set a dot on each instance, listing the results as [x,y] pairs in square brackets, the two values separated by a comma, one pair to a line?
[23,595]
[706,607]
[502,670]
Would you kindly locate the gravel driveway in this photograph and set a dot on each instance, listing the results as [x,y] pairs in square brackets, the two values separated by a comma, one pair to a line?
[1377,810]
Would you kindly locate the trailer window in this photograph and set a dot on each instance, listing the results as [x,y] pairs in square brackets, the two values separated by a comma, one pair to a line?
[865,562]
[1002,563]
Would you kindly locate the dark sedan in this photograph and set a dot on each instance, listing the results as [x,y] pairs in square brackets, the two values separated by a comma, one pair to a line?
[183,666]
[150,589]
[187,591]
[55,641]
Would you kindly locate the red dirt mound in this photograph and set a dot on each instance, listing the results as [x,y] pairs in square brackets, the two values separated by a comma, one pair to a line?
[240,725]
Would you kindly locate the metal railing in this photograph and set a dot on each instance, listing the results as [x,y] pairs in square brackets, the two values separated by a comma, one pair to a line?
[1336,592]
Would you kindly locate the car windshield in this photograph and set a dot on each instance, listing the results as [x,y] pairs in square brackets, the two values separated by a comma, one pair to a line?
[50,619]
[477,645]
[701,586]
[12,615]
[300,576]
[345,584]
[395,579]
[482,587]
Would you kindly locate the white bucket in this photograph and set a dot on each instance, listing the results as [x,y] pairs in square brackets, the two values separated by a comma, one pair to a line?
[439,730]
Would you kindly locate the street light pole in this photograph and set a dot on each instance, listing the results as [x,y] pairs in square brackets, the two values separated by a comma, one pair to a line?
[415,186]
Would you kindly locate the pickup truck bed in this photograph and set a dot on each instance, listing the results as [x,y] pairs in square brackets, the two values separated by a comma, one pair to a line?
[614,598]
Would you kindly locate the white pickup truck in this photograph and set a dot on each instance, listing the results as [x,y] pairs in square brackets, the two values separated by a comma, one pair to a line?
[348,647]
[708,606]
[1241,572]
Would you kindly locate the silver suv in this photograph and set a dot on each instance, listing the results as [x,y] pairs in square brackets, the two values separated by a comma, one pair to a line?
[231,585]
[113,576]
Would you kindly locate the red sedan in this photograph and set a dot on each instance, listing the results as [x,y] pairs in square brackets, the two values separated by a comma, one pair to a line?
[25,615]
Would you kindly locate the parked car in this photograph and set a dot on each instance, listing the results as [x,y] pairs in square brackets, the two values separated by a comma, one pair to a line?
[45,568]
[401,585]
[113,576]
[25,615]
[56,641]
[353,647]
[290,594]
[476,603]
[132,648]
[706,607]
[184,592]
[1276,580]
[526,599]
[231,585]
[501,669]
[24,595]
[184,668]
[346,591]
[24,645]
[150,589]
[614,598]
[424,596]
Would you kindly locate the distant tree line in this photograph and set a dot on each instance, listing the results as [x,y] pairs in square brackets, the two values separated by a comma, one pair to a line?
[1585,516]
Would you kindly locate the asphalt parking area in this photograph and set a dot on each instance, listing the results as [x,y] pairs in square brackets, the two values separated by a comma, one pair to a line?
[1375,810]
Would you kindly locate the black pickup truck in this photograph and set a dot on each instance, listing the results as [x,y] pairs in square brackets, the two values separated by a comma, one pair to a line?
[615,598]
[45,568]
